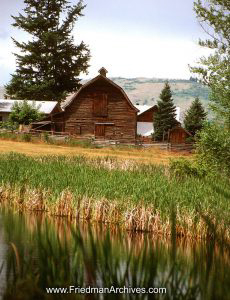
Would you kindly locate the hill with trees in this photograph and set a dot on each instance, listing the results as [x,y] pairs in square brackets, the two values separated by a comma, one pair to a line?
[147,91]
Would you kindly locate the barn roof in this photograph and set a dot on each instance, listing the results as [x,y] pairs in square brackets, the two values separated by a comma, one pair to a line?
[71,97]
[144,108]
[45,107]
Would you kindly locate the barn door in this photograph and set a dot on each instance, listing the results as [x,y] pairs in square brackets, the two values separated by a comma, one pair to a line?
[99,130]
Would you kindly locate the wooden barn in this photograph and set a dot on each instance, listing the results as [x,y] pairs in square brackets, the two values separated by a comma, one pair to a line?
[145,119]
[99,109]
[178,135]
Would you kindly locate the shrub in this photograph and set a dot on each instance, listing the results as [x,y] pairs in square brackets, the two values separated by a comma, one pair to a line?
[45,137]
[8,136]
[184,168]
[26,137]
[79,143]
[213,148]
[8,125]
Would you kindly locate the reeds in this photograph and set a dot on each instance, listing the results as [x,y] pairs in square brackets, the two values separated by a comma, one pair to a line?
[138,197]
[42,258]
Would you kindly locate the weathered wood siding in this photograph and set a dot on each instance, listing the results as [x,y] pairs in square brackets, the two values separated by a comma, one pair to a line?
[178,135]
[147,116]
[119,118]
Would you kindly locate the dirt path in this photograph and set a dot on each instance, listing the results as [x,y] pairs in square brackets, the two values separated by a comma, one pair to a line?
[150,155]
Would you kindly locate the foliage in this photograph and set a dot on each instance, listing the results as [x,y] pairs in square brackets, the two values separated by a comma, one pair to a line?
[8,125]
[165,117]
[213,147]
[26,137]
[50,63]
[22,137]
[182,168]
[214,70]
[195,117]
[24,113]
[45,137]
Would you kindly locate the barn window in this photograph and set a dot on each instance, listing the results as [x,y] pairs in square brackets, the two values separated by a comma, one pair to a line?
[100,105]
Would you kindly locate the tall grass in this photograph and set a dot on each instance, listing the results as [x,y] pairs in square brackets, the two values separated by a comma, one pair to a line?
[138,197]
[41,258]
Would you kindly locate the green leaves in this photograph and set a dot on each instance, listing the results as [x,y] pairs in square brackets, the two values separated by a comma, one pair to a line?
[214,70]
[213,147]
[50,63]
[24,113]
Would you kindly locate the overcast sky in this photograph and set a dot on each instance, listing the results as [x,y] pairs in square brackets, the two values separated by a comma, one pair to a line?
[130,38]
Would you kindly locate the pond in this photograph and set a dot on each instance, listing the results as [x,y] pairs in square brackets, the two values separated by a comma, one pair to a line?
[44,257]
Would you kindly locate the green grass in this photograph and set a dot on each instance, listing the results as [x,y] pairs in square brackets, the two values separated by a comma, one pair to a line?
[137,192]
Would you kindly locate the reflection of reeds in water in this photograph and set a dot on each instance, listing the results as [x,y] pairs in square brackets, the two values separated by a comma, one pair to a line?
[43,256]
[137,197]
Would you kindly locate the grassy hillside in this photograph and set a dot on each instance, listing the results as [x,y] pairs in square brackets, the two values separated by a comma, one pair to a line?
[147,90]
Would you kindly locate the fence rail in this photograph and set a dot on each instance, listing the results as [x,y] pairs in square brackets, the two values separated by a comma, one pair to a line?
[105,143]
[170,146]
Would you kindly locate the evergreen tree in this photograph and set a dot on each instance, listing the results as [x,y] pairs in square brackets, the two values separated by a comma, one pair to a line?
[165,117]
[195,117]
[49,64]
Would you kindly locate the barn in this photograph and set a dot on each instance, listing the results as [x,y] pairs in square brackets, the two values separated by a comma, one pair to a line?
[178,135]
[99,109]
[145,119]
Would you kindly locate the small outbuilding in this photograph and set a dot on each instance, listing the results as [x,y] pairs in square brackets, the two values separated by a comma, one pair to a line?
[145,119]
[178,135]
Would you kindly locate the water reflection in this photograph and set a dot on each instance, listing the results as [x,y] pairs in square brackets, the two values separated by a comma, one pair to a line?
[59,251]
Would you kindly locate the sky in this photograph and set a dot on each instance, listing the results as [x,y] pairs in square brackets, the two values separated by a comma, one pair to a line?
[130,38]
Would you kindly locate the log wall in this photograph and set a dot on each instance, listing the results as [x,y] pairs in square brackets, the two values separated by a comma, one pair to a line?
[147,116]
[121,119]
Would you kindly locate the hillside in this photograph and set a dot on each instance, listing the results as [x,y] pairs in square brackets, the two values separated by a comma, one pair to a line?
[146,91]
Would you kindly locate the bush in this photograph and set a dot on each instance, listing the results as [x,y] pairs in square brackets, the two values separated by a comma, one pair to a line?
[26,137]
[8,136]
[45,137]
[8,125]
[213,148]
[79,143]
[183,168]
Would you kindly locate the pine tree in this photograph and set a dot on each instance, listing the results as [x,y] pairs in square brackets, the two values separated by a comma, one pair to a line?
[165,117]
[49,64]
[195,117]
